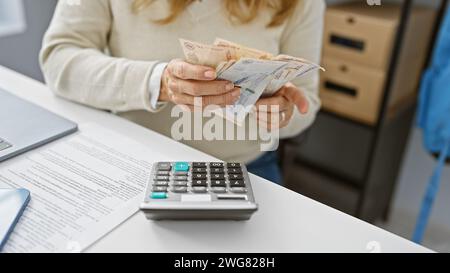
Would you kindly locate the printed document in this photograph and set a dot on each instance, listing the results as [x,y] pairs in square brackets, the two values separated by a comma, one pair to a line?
[82,187]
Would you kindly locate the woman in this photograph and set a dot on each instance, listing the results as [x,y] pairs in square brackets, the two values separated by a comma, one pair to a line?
[123,56]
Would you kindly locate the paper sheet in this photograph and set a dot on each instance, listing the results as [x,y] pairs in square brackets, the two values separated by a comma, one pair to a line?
[81,187]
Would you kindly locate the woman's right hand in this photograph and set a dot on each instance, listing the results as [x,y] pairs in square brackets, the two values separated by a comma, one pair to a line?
[182,82]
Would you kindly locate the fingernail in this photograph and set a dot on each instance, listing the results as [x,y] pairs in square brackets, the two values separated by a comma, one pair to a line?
[229,86]
[210,74]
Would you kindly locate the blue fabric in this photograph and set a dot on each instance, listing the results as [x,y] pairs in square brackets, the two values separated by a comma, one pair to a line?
[428,200]
[267,167]
[434,119]
[434,102]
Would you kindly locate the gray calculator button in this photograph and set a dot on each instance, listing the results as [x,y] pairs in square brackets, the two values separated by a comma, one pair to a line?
[180,178]
[199,189]
[4,145]
[162,178]
[164,166]
[181,174]
[180,189]
[161,184]
[239,190]
[166,173]
[159,189]
[180,183]
[219,190]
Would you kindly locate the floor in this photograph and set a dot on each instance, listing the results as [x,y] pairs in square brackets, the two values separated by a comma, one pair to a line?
[416,170]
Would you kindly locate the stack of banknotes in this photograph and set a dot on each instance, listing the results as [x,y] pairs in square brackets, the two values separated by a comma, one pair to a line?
[256,72]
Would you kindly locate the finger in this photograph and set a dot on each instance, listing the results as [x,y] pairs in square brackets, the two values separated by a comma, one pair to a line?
[187,71]
[200,88]
[219,100]
[222,100]
[296,96]
[265,104]
[275,117]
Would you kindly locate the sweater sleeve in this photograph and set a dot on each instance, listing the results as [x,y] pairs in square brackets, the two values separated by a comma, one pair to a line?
[302,38]
[76,67]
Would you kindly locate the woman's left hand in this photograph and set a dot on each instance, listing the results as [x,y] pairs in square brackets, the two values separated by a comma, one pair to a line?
[286,99]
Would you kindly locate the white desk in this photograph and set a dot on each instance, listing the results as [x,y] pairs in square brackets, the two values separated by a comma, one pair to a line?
[286,221]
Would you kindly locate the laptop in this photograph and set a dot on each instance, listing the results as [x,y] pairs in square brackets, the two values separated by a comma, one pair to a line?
[25,126]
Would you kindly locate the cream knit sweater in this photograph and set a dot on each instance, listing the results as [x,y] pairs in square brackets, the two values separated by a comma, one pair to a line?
[100,54]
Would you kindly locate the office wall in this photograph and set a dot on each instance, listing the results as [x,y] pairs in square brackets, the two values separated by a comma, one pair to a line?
[20,51]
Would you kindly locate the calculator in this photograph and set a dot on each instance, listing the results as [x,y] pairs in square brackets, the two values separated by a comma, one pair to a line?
[199,191]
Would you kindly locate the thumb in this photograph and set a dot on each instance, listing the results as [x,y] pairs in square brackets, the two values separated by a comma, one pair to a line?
[294,95]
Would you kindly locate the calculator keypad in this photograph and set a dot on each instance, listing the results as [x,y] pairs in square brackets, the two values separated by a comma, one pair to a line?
[197,178]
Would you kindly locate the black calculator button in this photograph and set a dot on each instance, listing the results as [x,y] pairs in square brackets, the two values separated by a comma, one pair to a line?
[216,165]
[161,183]
[218,189]
[199,183]
[159,189]
[199,176]
[199,165]
[162,178]
[234,170]
[216,176]
[237,183]
[233,165]
[180,183]
[199,189]
[180,189]
[217,170]
[199,170]
[163,166]
[218,183]
[238,190]
[235,176]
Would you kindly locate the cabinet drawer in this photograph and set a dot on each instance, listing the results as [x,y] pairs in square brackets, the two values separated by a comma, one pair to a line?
[351,90]
[360,34]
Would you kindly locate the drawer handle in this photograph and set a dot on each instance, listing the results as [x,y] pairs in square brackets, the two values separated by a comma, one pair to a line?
[338,88]
[347,42]
[351,20]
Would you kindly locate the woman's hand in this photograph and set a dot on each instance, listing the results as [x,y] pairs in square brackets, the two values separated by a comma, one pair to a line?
[286,98]
[182,82]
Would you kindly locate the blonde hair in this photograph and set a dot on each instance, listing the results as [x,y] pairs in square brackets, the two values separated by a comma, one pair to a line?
[282,9]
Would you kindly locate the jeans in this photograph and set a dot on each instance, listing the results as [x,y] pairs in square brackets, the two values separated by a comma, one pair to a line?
[267,167]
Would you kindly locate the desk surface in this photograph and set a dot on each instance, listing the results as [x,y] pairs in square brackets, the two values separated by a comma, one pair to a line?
[286,221]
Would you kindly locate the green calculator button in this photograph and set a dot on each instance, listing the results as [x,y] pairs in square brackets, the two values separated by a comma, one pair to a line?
[181,167]
[159,195]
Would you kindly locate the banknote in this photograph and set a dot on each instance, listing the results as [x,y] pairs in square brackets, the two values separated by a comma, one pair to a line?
[256,72]
[209,55]
[252,76]
[242,51]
